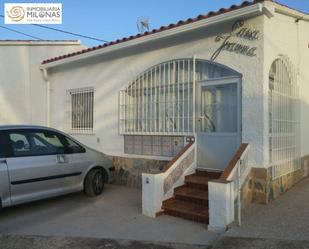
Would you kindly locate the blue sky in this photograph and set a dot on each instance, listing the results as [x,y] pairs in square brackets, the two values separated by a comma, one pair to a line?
[113,19]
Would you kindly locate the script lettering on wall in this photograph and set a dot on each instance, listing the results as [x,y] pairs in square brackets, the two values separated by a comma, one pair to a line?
[242,33]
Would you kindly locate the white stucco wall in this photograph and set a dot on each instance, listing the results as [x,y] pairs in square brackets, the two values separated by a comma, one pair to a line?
[22,87]
[284,36]
[221,205]
[113,72]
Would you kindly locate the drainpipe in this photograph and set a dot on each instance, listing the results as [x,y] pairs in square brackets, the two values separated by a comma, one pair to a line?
[48,92]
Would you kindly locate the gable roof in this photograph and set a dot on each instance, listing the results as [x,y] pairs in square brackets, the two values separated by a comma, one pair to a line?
[39,42]
[162,28]
[172,26]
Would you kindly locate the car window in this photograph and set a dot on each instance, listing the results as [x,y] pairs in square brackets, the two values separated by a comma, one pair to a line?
[35,143]
[2,154]
[73,147]
[51,138]
[19,143]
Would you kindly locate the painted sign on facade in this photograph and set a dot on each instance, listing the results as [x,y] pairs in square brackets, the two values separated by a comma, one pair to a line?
[242,34]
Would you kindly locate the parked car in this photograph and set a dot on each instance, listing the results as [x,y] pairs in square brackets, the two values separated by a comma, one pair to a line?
[39,162]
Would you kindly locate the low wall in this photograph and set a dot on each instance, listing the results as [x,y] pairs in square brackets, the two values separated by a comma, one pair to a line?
[246,191]
[282,184]
[160,187]
[260,188]
[128,171]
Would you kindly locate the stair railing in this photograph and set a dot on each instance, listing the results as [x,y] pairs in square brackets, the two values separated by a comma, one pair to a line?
[158,187]
[237,172]
[223,192]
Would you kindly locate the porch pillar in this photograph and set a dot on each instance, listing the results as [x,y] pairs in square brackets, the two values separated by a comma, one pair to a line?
[221,205]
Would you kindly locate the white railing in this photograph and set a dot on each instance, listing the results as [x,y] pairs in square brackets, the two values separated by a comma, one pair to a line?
[284,118]
[238,176]
[159,187]
[224,191]
[159,100]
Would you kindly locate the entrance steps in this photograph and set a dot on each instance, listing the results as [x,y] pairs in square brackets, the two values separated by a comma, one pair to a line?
[190,200]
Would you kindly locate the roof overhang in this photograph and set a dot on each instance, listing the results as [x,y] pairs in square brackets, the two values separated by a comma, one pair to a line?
[242,13]
[285,10]
[39,42]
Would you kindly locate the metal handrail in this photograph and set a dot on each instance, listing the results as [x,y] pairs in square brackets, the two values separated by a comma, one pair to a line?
[236,166]
[175,158]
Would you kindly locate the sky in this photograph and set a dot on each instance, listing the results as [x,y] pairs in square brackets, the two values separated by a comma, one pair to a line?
[113,19]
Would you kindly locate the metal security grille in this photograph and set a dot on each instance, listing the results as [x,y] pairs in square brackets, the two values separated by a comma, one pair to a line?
[80,110]
[284,124]
[160,100]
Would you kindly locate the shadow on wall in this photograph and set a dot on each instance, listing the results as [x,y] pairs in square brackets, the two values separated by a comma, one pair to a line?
[261,187]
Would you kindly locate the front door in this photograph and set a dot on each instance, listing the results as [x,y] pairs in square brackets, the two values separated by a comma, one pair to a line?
[218,118]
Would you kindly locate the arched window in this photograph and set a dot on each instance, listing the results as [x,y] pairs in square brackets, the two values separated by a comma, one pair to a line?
[160,100]
[284,149]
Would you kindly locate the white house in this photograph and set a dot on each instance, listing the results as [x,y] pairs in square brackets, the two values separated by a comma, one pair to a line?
[23,90]
[223,92]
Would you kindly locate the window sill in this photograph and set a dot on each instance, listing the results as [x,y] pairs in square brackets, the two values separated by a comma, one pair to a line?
[160,158]
[89,133]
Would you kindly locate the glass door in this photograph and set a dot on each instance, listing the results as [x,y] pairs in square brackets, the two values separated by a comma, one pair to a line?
[217,122]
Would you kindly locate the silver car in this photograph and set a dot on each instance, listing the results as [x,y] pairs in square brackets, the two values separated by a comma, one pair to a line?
[38,162]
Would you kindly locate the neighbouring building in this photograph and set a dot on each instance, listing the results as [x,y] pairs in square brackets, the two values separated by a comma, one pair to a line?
[227,82]
[23,91]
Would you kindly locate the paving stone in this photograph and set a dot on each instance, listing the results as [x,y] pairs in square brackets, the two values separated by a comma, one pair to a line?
[39,242]
[259,243]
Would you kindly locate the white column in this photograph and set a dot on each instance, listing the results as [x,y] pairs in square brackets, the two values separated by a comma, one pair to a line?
[221,205]
[152,194]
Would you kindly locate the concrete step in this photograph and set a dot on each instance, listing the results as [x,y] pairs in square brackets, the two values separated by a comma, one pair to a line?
[209,173]
[193,195]
[195,181]
[186,210]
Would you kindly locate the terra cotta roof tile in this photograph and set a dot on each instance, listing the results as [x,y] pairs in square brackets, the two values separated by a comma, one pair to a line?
[162,28]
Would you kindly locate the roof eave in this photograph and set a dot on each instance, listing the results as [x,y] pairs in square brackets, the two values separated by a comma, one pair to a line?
[39,42]
[246,12]
[284,10]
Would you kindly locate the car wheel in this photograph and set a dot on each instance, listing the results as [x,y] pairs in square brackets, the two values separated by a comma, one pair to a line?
[94,183]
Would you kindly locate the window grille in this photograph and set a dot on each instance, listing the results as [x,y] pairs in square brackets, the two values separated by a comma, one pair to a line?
[80,110]
[284,120]
[160,100]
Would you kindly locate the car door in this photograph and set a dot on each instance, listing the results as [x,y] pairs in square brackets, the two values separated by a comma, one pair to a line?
[79,158]
[38,165]
[4,176]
